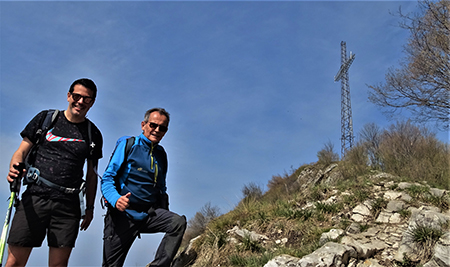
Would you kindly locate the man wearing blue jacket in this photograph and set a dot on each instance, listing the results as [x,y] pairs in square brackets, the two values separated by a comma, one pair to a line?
[138,203]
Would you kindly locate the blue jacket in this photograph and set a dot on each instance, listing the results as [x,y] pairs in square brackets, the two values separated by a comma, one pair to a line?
[143,174]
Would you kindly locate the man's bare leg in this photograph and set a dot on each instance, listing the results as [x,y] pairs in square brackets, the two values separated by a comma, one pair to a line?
[17,256]
[59,257]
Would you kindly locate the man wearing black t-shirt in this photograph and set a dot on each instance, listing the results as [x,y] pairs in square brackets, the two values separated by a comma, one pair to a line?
[49,211]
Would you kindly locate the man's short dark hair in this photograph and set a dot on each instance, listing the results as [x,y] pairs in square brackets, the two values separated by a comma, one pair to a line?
[89,84]
[160,110]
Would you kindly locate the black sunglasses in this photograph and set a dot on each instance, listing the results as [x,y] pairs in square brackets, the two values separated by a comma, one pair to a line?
[86,99]
[162,128]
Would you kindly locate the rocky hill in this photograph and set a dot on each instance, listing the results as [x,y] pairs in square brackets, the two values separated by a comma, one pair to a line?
[395,224]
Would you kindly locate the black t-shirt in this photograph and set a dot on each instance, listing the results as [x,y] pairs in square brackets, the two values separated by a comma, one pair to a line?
[60,158]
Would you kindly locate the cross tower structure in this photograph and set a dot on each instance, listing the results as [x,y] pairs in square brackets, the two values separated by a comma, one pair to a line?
[346,107]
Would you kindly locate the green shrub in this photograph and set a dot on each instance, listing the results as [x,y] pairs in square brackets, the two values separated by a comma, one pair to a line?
[328,208]
[250,261]
[404,213]
[251,245]
[423,234]
[378,205]
[442,202]
[425,238]
[301,214]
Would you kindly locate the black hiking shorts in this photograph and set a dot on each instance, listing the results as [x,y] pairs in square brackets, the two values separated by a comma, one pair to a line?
[36,217]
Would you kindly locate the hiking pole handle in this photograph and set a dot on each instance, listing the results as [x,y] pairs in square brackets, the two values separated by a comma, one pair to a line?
[15,185]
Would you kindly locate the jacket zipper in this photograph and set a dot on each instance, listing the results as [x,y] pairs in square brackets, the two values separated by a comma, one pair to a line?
[154,166]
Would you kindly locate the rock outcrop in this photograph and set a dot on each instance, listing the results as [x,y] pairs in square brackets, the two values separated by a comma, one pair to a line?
[390,239]
[375,236]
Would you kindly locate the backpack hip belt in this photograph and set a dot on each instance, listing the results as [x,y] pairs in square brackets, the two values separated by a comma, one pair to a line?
[34,176]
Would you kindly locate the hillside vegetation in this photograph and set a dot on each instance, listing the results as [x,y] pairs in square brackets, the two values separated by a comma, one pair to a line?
[406,152]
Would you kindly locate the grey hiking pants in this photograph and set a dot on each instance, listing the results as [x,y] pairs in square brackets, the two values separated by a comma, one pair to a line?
[120,232]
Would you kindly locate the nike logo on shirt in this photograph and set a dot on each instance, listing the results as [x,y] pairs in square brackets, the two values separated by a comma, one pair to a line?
[54,138]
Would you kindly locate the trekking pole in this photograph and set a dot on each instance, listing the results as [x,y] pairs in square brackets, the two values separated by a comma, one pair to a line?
[15,188]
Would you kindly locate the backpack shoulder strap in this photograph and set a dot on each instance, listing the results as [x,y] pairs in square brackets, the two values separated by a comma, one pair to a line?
[130,143]
[90,141]
[46,123]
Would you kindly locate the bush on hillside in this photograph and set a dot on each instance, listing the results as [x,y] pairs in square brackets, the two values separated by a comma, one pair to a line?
[252,190]
[405,150]
[414,152]
[327,155]
[197,225]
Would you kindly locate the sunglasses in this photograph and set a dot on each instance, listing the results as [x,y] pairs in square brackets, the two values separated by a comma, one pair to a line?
[162,128]
[86,99]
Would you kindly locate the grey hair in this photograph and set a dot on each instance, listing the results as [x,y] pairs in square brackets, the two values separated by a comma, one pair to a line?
[159,110]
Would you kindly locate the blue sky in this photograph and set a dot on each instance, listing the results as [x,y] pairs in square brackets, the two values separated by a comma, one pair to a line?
[249,86]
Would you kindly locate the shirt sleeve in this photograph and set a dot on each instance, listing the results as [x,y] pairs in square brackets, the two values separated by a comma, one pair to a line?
[30,130]
[108,187]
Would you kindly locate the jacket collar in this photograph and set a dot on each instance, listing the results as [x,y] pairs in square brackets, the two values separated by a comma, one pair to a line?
[146,141]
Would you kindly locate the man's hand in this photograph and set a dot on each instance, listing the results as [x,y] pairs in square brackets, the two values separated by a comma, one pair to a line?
[14,173]
[87,220]
[18,156]
[123,202]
